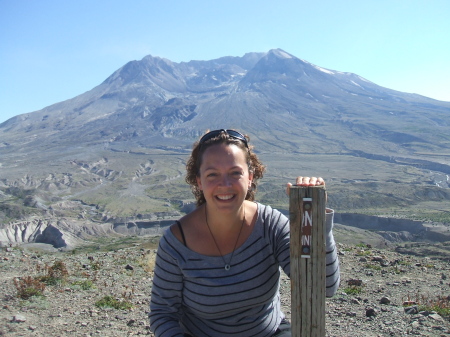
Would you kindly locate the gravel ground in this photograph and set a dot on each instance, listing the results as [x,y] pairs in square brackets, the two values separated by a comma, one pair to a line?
[374,308]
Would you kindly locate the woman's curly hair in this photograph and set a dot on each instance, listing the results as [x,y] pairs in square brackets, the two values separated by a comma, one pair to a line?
[195,160]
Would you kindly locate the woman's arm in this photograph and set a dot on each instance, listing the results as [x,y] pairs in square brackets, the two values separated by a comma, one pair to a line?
[333,275]
[165,303]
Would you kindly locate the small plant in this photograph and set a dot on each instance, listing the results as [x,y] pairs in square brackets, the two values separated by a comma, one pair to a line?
[372,266]
[95,265]
[353,290]
[28,287]
[84,285]
[35,302]
[439,304]
[363,253]
[55,274]
[397,270]
[404,263]
[111,302]
[148,262]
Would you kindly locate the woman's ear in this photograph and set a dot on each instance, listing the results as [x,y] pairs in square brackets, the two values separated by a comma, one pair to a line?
[199,183]
[250,179]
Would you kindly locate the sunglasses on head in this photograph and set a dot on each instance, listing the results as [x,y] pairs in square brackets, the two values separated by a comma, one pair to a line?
[232,133]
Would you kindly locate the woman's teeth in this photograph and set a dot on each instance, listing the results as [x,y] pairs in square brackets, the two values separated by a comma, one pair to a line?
[225,197]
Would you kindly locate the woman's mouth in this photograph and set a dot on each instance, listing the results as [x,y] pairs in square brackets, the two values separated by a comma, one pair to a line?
[225,196]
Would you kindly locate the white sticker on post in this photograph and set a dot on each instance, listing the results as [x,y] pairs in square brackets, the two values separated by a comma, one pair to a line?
[306,228]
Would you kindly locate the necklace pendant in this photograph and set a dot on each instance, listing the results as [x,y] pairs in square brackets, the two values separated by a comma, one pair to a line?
[227,267]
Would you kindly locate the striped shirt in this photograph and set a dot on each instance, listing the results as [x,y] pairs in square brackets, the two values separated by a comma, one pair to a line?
[193,293]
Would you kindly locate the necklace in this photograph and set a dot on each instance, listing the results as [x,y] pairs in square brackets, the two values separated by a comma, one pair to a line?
[227,265]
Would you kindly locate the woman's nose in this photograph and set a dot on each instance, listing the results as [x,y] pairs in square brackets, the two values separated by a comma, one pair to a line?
[226,180]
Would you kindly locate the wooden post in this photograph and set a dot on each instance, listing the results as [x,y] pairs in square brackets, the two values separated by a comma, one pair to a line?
[307,218]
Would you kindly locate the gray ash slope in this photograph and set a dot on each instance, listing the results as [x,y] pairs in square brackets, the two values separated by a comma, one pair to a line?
[118,150]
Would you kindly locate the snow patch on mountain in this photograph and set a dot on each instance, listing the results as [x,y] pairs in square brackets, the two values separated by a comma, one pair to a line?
[357,84]
[324,70]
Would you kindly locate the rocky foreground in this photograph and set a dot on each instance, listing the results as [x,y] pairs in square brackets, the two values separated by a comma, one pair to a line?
[382,293]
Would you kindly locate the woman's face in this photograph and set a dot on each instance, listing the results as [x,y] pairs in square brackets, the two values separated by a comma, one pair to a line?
[224,177]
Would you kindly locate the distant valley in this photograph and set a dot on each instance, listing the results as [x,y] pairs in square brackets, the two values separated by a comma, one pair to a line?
[98,163]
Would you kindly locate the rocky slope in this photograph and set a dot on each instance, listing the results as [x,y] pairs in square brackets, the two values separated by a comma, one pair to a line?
[67,233]
[122,146]
[123,269]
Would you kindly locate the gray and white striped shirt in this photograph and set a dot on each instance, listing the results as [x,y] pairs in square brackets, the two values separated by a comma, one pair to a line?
[193,293]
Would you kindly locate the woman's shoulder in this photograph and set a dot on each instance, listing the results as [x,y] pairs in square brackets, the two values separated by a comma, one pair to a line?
[176,230]
[184,226]
[268,211]
[271,219]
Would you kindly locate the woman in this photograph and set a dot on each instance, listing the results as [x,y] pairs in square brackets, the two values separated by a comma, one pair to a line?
[218,269]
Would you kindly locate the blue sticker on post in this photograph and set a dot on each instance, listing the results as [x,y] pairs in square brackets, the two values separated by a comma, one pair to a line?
[306,228]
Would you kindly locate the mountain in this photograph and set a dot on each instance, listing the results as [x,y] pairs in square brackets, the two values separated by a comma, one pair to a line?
[155,97]
[117,152]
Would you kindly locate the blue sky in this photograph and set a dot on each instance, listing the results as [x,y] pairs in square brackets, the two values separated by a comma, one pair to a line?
[53,50]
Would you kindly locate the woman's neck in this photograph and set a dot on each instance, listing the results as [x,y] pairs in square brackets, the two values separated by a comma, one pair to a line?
[221,223]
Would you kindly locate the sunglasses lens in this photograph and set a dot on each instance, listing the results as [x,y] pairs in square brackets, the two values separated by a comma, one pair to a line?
[231,133]
[237,135]
[210,135]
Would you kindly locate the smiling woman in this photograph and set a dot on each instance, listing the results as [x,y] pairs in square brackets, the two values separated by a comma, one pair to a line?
[224,176]
[217,270]
[230,137]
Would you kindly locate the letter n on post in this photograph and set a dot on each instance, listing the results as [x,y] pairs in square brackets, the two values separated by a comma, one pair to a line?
[307,248]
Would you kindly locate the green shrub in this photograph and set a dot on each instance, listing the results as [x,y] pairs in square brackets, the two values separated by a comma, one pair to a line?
[56,274]
[111,302]
[95,265]
[441,308]
[84,285]
[353,290]
[439,304]
[372,266]
[28,287]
